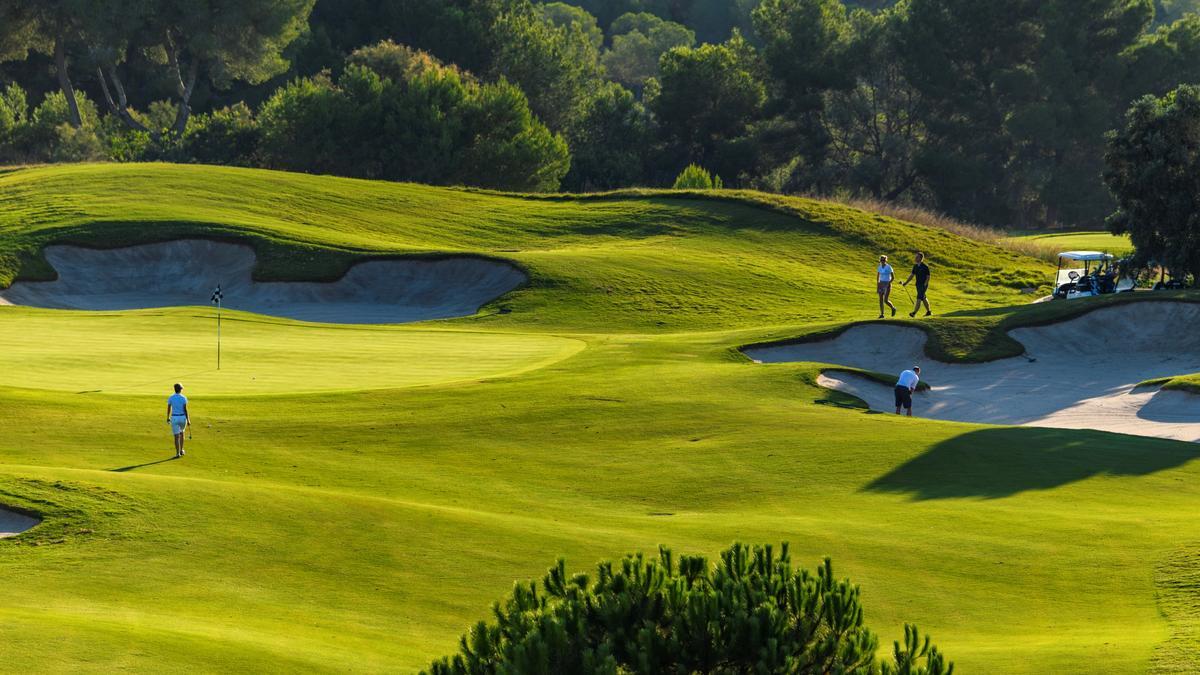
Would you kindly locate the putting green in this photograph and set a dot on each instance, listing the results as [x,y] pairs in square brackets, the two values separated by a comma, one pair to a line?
[145,352]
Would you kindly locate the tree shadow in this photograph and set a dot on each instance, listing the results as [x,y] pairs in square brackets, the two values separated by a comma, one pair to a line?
[996,463]
[142,466]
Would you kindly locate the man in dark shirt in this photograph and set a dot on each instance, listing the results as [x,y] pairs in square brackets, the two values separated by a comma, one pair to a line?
[921,272]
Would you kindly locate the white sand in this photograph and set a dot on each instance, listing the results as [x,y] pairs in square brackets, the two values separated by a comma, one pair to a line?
[185,272]
[1084,375]
[12,524]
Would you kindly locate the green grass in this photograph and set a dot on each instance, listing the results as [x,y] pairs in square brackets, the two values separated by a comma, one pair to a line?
[365,519]
[638,261]
[1056,242]
[147,351]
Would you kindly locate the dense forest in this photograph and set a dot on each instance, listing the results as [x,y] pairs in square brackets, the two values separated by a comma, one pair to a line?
[995,112]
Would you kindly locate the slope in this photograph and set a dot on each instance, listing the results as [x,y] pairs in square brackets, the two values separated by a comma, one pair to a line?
[366,528]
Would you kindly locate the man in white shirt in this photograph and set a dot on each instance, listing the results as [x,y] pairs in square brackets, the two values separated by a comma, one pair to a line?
[884,275]
[905,387]
[178,418]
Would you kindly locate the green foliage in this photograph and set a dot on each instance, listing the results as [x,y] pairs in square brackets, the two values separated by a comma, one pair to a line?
[13,110]
[440,128]
[1160,61]
[508,149]
[993,112]
[1007,125]
[750,613]
[695,177]
[806,45]
[638,42]
[228,136]
[554,65]
[46,134]
[877,127]
[1154,173]
[1170,11]
[399,63]
[712,20]
[707,96]
[609,143]
[565,15]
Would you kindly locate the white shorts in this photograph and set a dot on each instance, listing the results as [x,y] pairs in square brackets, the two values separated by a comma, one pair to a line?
[178,424]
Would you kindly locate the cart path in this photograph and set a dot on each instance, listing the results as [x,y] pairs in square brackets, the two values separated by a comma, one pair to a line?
[1084,374]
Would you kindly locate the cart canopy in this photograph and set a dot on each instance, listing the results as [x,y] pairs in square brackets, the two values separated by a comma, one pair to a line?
[1085,256]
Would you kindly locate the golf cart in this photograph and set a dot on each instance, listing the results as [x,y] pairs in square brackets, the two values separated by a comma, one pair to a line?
[1084,274]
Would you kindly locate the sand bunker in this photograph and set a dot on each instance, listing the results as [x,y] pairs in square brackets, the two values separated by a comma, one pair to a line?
[12,523]
[185,272]
[1083,373]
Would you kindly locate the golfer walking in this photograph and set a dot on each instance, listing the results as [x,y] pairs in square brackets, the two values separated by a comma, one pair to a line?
[920,272]
[178,418]
[905,387]
[884,275]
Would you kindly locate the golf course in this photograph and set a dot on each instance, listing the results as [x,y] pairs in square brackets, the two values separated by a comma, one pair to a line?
[357,493]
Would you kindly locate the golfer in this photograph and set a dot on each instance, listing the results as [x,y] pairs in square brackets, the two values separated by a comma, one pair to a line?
[883,284]
[177,417]
[905,387]
[920,272]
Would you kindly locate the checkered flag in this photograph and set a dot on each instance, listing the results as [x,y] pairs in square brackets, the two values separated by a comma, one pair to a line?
[217,296]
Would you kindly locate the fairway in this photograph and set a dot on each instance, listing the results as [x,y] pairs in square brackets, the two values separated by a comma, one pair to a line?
[1057,242]
[355,497]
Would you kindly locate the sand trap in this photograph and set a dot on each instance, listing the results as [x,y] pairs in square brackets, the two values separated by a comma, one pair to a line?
[12,524]
[184,273]
[1084,376]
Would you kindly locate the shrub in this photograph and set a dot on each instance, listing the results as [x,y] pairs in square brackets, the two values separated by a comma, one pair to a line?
[752,613]
[228,136]
[413,119]
[696,178]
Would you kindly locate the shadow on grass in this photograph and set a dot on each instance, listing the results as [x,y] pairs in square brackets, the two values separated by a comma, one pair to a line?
[142,466]
[995,463]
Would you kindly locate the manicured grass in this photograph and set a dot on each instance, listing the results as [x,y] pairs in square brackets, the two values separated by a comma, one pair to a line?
[359,528]
[657,261]
[146,352]
[1056,242]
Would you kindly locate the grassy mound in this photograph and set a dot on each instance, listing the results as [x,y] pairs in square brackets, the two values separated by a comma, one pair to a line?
[344,523]
[632,260]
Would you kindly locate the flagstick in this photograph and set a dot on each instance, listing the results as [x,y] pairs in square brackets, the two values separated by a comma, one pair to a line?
[218,333]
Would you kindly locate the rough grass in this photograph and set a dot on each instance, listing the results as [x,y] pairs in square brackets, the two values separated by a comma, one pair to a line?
[981,233]
[366,529]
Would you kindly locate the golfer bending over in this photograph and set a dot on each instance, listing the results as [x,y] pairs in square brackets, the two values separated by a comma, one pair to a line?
[883,284]
[921,272]
[905,387]
[177,416]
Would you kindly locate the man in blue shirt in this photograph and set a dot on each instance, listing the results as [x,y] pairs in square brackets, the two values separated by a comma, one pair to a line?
[905,387]
[177,417]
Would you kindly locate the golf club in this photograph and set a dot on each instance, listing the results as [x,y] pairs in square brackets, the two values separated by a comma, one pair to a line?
[905,287]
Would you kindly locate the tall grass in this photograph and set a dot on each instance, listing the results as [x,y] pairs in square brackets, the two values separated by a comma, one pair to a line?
[927,218]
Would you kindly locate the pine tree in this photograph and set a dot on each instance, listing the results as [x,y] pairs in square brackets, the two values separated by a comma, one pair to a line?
[751,613]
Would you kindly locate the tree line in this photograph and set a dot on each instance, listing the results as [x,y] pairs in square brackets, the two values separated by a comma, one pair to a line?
[992,112]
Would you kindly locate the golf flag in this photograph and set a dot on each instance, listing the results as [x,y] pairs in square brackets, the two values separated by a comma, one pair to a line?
[217,297]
